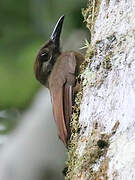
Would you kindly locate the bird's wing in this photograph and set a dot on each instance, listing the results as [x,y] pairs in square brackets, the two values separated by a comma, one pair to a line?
[61,95]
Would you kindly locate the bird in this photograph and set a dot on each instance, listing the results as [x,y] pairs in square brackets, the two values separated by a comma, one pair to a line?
[58,72]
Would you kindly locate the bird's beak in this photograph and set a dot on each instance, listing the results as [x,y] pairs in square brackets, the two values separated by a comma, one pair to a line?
[55,37]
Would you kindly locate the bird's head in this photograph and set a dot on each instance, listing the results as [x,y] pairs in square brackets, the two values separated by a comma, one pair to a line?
[48,54]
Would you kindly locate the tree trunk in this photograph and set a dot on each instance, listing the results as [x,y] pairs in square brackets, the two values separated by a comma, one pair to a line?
[103,125]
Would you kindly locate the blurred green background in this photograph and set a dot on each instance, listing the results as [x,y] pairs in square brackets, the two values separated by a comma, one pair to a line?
[24,27]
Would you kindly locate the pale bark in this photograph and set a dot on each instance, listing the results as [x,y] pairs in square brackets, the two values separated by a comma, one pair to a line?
[106,143]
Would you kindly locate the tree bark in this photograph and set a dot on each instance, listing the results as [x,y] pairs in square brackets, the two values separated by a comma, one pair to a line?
[103,135]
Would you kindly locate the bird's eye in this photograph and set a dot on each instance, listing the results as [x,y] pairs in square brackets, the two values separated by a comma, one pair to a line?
[43,57]
[45,54]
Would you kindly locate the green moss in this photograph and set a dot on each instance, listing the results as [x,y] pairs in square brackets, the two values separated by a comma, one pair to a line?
[74,163]
[90,13]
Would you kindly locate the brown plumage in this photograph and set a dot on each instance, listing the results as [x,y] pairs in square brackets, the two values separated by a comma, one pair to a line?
[58,72]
